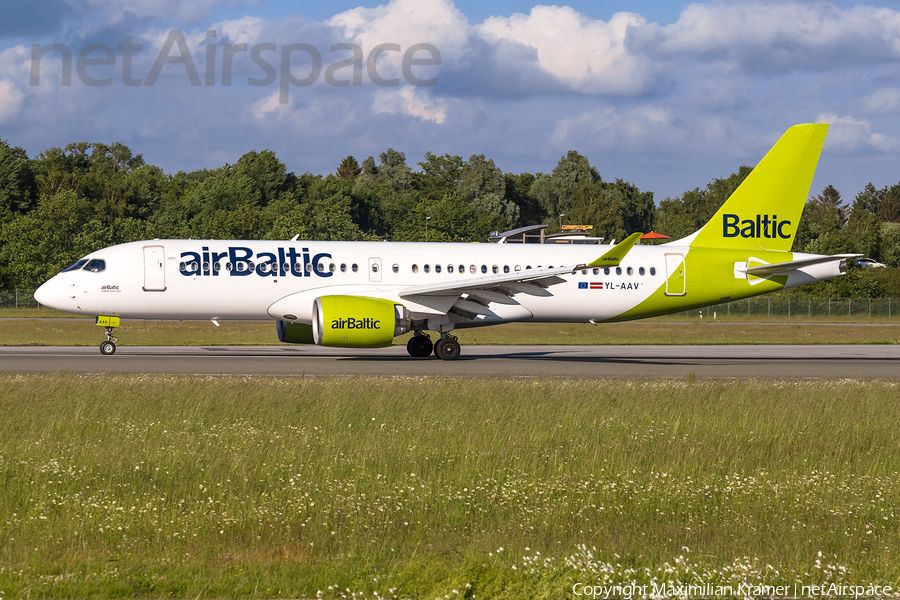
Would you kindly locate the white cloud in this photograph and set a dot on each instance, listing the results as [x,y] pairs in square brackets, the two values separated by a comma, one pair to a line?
[849,135]
[640,129]
[883,101]
[407,22]
[11,99]
[317,116]
[414,102]
[110,12]
[761,36]
[588,55]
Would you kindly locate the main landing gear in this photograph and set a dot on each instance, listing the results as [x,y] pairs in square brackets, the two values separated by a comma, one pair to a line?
[420,346]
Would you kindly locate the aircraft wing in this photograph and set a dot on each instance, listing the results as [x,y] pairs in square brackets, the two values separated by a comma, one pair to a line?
[496,288]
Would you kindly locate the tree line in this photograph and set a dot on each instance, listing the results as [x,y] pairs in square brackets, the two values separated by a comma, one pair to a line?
[66,202]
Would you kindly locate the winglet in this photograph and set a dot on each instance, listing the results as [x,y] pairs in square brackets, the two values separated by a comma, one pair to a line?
[615,255]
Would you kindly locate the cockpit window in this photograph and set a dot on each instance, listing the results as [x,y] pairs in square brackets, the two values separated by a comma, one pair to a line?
[95,265]
[75,265]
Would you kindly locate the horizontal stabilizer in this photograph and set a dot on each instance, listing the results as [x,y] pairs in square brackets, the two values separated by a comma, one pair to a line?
[614,256]
[785,268]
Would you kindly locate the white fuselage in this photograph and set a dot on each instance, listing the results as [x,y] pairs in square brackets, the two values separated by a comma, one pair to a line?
[213,279]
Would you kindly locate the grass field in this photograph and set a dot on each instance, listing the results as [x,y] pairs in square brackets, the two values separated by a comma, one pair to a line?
[29,331]
[424,488]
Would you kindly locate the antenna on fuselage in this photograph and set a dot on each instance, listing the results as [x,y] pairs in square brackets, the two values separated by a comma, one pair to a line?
[294,239]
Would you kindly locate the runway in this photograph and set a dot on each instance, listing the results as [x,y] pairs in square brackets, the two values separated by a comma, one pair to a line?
[778,362]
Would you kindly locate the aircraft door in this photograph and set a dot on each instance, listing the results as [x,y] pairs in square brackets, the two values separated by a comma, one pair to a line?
[374,269]
[675,277]
[154,269]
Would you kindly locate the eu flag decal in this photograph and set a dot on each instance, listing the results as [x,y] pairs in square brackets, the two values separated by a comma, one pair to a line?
[582,285]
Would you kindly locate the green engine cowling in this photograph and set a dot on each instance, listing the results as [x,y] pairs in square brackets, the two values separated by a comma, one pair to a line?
[357,322]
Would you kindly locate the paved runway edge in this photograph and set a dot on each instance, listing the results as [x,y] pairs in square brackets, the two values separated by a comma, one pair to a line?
[775,361]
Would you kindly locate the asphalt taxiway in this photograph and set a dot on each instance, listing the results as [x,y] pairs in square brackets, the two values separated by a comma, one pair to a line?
[778,362]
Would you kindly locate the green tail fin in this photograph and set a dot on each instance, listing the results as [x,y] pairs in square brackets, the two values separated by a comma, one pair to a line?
[764,212]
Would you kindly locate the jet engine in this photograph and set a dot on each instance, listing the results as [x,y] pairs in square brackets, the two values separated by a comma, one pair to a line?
[294,333]
[357,322]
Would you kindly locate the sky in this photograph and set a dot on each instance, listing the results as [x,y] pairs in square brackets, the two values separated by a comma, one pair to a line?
[666,95]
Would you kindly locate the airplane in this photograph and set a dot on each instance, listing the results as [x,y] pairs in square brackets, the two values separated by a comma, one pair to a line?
[364,294]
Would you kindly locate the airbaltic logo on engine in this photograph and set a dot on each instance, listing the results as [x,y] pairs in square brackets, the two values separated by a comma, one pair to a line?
[241,261]
[762,227]
[352,323]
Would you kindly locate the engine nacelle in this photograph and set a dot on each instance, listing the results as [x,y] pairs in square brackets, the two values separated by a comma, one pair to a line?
[357,322]
[294,333]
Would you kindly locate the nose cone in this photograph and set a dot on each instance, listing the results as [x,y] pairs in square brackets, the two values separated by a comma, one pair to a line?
[53,294]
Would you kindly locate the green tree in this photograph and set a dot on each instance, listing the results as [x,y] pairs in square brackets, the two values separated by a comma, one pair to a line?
[483,187]
[518,191]
[18,188]
[348,169]
[679,217]
[556,191]
[890,243]
[440,175]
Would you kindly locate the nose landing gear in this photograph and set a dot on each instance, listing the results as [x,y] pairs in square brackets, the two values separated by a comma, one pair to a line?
[110,323]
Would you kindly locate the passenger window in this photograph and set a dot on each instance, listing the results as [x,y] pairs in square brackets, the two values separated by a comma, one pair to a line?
[343,267]
[395,268]
[309,267]
[449,268]
[374,267]
[437,268]
[527,267]
[95,265]
[596,270]
[630,271]
[484,268]
[228,266]
[427,268]
[415,268]
[462,269]
[297,268]
[506,268]
[472,269]
[354,268]
[641,271]
[205,267]
[332,267]
[75,265]
[652,270]
[618,270]
[584,271]
[218,267]
[606,270]
[495,269]
[518,267]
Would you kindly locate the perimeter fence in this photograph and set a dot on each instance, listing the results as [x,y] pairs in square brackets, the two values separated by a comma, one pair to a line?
[774,306]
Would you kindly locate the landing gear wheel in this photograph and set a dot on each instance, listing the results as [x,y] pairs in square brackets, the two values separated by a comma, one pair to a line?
[447,349]
[107,348]
[419,346]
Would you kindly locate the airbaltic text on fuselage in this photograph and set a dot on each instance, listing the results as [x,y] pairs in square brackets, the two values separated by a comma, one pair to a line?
[762,227]
[298,262]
